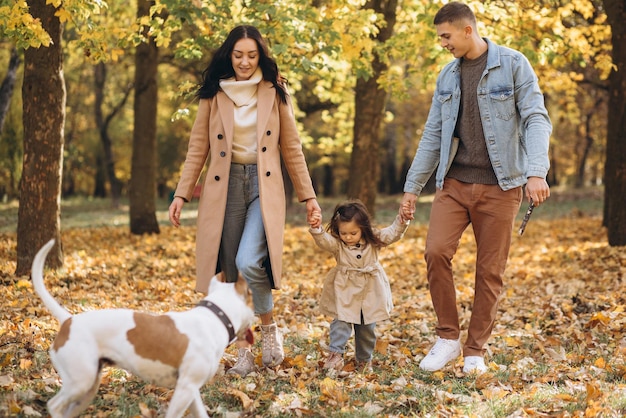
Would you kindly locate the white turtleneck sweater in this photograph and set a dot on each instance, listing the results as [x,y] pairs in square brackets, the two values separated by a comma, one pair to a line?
[244,95]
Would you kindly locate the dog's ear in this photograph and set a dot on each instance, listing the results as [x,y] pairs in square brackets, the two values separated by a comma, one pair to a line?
[216,281]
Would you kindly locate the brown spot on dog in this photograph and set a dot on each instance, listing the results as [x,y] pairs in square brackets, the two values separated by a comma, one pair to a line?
[157,338]
[63,335]
[221,277]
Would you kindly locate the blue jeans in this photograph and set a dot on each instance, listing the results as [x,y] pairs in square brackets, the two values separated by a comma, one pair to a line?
[364,338]
[244,246]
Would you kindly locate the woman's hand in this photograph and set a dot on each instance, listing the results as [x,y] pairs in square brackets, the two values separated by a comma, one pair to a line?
[176,208]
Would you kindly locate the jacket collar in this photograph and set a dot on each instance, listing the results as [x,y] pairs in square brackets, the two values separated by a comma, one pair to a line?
[493,57]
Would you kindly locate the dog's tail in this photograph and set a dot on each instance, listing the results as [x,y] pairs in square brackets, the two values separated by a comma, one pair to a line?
[59,312]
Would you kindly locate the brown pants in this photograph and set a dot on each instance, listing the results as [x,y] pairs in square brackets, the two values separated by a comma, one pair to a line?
[491,211]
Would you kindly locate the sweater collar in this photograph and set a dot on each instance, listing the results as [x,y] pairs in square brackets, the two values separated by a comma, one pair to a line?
[242,92]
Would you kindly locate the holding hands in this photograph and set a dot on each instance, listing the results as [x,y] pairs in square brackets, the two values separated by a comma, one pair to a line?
[407,207]
[313,213]
[315,220]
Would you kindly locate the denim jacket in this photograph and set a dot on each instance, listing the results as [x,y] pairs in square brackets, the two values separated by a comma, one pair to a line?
[515,122]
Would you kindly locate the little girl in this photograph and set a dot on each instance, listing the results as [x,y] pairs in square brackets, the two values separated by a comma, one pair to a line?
[356,292]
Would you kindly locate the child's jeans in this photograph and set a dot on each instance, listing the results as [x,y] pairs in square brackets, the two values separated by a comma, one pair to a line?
[364,338]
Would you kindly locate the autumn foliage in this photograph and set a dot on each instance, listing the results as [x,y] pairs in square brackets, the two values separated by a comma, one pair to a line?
[558,348]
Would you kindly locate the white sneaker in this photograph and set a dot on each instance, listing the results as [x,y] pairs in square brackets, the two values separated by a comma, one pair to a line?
[441,354]
[474,364]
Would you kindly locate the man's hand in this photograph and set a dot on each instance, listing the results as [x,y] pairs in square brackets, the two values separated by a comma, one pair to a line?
[537,190]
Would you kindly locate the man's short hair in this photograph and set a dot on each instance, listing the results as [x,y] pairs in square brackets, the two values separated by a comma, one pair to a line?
[453,12]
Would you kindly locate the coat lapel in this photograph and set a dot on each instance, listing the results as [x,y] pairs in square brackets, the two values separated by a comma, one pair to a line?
[265,101]
[227,114]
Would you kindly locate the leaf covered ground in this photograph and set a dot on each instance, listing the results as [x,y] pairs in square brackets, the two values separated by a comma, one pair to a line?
[558,348]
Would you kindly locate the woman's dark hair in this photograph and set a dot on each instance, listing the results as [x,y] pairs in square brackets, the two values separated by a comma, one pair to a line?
[354,210]
[221,66]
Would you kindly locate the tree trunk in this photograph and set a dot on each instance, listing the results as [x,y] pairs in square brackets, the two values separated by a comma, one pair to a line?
[587,143]
[142,193]
[8,84]
[615,167]
[43,93]
[370,103]
[103,122]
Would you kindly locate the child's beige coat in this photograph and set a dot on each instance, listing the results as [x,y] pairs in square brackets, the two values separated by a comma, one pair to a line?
[358,283]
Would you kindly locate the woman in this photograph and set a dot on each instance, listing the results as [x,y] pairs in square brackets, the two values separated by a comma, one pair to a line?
[245,123]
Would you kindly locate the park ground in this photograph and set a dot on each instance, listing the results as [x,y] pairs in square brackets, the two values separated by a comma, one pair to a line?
[558,348]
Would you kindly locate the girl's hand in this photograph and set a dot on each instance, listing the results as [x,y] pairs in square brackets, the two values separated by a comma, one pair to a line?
[313,212]
[315,220]
[407,207]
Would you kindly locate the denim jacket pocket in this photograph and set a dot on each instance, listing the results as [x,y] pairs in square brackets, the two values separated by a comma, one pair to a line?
[503,102]
[445,103]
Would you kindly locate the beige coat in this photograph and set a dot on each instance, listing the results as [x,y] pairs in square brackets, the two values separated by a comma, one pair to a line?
[211,140]
[358,284]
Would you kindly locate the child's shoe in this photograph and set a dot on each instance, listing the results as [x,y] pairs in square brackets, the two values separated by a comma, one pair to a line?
[364,367]
[334,361]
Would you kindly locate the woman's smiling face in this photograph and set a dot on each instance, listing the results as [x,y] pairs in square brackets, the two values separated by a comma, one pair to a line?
[245,58]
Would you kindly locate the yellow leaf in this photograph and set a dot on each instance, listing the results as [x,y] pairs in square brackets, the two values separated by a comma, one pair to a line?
[25,363]
[512,341]
[439,375]
[600,363]
[381,346]
[332,390]
[23,284]
[146,412]
[63,15]
[598,318]
[593,392]
[494,393]
[246,402]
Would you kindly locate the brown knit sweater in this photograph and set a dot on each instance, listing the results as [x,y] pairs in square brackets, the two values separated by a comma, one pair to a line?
[471,163]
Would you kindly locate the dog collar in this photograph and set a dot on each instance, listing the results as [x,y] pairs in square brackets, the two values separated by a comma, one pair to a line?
[222,316]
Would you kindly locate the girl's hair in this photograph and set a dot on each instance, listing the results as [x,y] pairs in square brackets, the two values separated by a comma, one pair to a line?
[221,66]
[354,210]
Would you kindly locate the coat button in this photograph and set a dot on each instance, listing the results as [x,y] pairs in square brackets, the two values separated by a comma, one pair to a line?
[264,149]
[267,174]
[358,256]
[222,154]
[268,133]
[220,136]
[217,178]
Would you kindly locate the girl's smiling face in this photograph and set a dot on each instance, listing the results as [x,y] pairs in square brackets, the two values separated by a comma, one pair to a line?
[349,232]
[245,58]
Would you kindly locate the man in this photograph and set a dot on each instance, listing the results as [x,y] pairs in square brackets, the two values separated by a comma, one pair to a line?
[487,134]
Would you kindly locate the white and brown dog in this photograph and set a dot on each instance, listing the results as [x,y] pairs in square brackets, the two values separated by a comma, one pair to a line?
[176,349]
